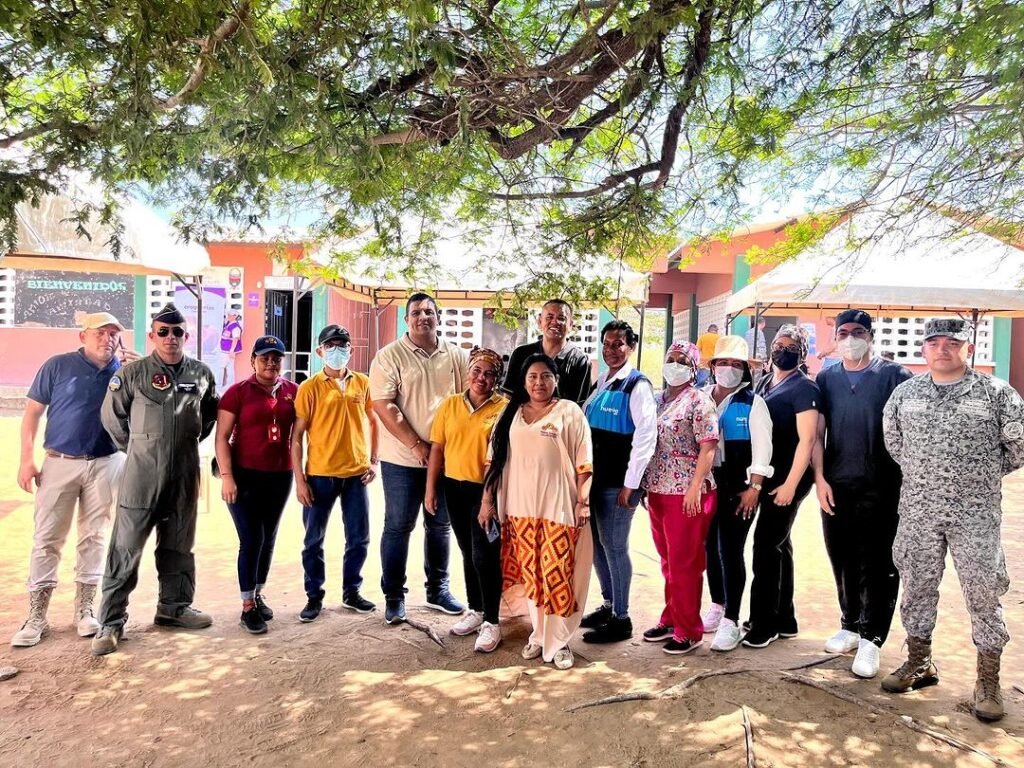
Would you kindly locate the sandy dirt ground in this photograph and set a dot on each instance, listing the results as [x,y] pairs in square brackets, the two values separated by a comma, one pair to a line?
[348,690]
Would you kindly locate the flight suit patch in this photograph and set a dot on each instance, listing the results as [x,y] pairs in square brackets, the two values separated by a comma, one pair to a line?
[161,381]
[115,383]
[187,386]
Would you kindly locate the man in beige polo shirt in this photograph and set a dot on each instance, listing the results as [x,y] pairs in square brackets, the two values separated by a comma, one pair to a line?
[408,380]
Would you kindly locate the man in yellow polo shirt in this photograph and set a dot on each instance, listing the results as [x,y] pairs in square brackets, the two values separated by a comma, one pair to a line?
[706,344]
[334,412]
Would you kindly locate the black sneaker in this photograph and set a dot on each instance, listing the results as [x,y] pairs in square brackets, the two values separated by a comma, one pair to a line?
[614,630]
[755,638]
[659,633]
[595,619]
[252,622]
[394,610]
[788,628]
[679,647]
[311,611]
[358,603]
[265,610]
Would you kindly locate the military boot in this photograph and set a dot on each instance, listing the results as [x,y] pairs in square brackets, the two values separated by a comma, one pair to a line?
[35,626]
[184,616]
[85,619]
[107,638]
[917,671]
[988,699]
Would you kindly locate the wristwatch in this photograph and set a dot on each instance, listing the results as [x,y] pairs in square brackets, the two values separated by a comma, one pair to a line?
[755,486]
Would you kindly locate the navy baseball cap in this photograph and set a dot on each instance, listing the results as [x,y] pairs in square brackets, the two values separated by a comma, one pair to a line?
[266,344]
[858,316]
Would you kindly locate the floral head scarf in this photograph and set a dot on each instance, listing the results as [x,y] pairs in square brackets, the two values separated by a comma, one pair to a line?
[797,334]
[489,356]
[688,348]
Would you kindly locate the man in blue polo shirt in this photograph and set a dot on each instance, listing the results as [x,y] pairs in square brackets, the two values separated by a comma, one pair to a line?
[82,464]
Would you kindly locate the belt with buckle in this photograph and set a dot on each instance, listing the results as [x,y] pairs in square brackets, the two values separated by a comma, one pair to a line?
[56,455]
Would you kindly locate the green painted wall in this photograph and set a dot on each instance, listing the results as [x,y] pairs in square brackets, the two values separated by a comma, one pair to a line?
[140,326]
[740,279]
[319,320]
[604,316]
[1002,328]
[694,330]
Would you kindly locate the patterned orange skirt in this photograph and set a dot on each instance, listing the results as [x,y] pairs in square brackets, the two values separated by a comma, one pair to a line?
[541,555]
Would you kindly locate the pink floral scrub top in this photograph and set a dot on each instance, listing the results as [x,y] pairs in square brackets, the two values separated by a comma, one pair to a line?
[683,424]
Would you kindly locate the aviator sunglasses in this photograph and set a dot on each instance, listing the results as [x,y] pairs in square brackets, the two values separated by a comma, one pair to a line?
[177,330]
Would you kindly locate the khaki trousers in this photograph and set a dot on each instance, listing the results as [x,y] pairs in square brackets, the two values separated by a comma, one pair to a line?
[63,483]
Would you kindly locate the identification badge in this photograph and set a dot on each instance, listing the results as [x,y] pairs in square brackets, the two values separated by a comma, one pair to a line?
[161,381]
[274,433]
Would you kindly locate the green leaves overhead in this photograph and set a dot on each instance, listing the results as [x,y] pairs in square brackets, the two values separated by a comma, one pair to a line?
[609,127]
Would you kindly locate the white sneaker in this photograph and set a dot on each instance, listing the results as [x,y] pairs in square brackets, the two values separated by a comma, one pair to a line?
[842,641]
[563,659]
[712,618]
[468,624]
[865,664]
[488,639]
[531,651]
[727,637]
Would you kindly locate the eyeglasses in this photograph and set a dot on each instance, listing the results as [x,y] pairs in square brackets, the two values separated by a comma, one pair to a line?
[784,348]
[164,332]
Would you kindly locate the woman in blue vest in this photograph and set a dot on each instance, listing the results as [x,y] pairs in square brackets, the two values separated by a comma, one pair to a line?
[623,424]
[742,463]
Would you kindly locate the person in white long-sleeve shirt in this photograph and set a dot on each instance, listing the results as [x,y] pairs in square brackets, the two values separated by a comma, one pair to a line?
[742,462]
[624,429]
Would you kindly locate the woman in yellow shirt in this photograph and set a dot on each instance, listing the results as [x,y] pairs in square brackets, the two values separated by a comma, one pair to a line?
[458,451]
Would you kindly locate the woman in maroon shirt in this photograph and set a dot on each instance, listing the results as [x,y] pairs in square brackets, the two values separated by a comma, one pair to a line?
[254,428]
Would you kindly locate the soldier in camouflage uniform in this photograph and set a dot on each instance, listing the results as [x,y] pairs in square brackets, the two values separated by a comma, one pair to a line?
[955,433]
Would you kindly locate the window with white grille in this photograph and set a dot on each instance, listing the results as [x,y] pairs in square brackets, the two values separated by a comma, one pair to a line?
[462,326]
[6,297]
[903,337]
[712,311]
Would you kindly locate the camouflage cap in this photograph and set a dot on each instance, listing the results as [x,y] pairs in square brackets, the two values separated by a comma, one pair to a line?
[953,327]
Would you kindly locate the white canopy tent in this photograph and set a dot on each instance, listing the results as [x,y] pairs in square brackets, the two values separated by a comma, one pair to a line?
[47,239]
[469,266]
[914,263]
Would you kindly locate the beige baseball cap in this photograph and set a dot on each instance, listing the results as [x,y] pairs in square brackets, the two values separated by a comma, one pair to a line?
[100,319]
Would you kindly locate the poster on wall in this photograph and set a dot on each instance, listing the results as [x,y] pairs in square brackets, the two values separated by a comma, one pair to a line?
[47,299]
[214,304]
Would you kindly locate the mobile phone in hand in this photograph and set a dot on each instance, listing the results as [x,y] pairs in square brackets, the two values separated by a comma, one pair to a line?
[493,530]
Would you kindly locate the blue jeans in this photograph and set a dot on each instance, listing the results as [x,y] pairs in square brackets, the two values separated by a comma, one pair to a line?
[404,489]
[355,516]
[257,511]
[610,524]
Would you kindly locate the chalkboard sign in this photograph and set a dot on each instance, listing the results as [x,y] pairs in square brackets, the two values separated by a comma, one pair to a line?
[58,299]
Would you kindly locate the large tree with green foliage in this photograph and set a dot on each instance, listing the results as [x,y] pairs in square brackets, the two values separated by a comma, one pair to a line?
[607,126]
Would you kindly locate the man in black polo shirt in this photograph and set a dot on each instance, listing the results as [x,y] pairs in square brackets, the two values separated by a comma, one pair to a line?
[858,487]
[555,323]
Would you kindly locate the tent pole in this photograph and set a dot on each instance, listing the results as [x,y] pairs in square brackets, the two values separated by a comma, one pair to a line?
[974,336]
[640,348]
[295,328]
[757,322]
[199,316]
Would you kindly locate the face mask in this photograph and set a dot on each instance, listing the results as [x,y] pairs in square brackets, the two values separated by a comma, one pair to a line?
[852,348]
[785,360]
[676,374]
[337,357]
[728,376]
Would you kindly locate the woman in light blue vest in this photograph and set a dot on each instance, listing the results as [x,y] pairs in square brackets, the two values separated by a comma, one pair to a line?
[623,424]
[742,462]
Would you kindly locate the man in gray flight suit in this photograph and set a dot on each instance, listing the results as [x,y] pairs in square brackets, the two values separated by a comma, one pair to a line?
[157,409]
[955,433]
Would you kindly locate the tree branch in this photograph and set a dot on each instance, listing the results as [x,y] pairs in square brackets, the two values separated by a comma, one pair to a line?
[226,30]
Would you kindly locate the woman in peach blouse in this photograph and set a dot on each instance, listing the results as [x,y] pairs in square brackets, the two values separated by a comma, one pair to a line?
[538,482]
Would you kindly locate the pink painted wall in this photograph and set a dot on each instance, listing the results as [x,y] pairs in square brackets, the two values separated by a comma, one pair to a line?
[24,350]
